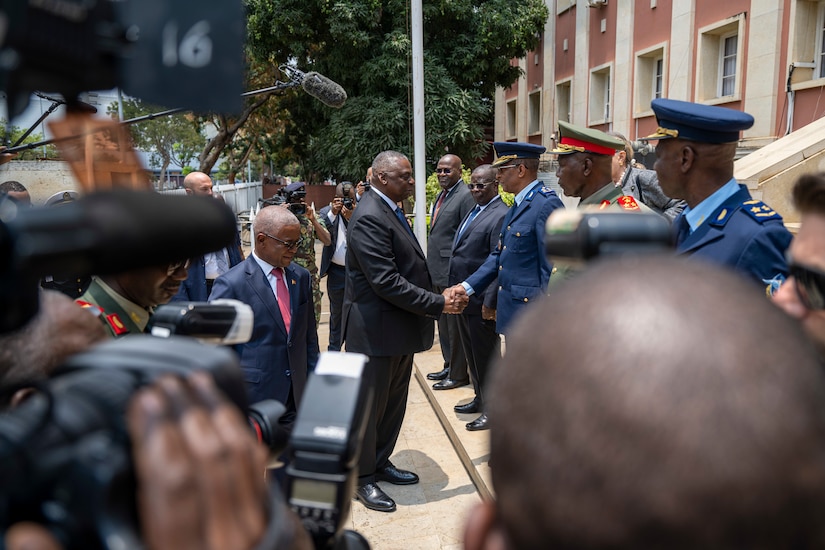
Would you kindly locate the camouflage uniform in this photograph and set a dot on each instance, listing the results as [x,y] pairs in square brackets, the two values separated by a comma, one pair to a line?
[305,257]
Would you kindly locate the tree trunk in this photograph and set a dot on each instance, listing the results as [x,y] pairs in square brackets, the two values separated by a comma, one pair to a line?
[226,133]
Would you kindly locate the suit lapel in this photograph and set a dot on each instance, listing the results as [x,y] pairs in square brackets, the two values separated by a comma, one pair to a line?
[259,283]
[292,285]
[393,219]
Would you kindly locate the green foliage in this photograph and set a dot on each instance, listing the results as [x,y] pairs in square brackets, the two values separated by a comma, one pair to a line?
[42,152]
[365,46]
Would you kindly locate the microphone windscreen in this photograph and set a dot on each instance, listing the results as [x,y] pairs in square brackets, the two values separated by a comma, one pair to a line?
[113,231]
[324,90]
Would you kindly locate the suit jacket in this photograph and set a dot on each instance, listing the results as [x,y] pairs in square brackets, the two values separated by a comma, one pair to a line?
[389,308]
[472,248]
[193,289]
[519,261]
[326,255]
[643,185]
[271,360]
[742,233]
[457,204]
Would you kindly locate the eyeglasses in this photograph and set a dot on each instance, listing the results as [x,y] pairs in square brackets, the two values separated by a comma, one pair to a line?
[810,286]
[402,177]
[479,186]
[443,170]
[291,245]
[174,266]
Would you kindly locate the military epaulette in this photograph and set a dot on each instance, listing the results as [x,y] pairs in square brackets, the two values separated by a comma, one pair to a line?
[93,309]
[760,211]
[117,325]
[544,190]
[629,203]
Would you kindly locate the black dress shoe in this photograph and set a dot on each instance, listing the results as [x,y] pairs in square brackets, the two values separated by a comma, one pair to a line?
[473,406]
[449,383]
[440,375]
[371,496]
[480,423]
[391,474]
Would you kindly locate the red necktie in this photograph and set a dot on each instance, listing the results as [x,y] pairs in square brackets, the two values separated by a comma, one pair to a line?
[282,295]
[438,206]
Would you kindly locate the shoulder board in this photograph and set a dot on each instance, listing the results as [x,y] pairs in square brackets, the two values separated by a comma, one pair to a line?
[546,191]
[93,309]
[760,211]
[627,202]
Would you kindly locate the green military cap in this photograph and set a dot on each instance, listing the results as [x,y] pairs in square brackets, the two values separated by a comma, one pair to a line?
[580,139]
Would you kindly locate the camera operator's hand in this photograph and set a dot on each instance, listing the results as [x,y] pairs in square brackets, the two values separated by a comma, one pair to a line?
[199,471]
[320,230]
[336,206]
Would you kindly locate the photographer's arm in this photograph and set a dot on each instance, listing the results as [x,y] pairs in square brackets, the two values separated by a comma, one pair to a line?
[320,230]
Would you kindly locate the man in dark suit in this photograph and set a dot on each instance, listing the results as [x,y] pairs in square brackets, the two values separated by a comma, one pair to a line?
[335,218]
[283,347]
[451,205]
[476,238]
[721,223]
[204,270]
[389,314]
[519,262]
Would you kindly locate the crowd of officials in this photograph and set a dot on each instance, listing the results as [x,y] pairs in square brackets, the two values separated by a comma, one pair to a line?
[648,401]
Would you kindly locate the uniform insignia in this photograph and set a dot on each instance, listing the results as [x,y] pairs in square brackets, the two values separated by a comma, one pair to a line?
[722,215]
[93,309]
[760,211]
[117,325]
[628,203]
[604,204]
[544,190]
[772,285]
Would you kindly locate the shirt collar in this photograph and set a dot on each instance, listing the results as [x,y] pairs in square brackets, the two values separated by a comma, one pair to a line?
[265,266]
[697,216]
[524,192]
[386,198]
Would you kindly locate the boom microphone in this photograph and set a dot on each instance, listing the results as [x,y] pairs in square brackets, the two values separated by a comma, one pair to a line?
[324,90]
[101,233]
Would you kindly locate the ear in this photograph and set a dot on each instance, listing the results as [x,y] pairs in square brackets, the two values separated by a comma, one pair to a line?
[482,530]
[687,159]
[587,166]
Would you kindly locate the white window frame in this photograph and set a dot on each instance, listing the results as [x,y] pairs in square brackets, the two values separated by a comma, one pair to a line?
[806,44]
[601,94]
[723,41]
[709,63]
[819,51]
[646,77]
[564,100]
[534,113]
[512,119]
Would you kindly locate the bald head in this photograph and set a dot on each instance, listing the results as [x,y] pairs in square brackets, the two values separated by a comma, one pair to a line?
[197,183]
[687,415]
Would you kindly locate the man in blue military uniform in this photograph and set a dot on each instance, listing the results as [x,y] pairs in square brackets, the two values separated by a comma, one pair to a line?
[519,262]
[722,223]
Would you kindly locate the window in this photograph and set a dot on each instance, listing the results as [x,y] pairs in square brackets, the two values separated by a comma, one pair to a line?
[511,119]
[650,78]
[563,101]
[719,62]
[727,65]
[808,44]
[534,113]
[600,95]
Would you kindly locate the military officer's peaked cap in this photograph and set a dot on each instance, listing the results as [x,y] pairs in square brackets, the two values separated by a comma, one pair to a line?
[697,122]
[580,139]
[513,150]
[294,186]
[62,197]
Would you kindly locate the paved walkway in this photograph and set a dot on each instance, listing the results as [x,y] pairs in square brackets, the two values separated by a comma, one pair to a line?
[451,462]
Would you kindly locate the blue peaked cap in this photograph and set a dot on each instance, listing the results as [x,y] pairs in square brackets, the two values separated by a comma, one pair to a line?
[512,150]
[698,122]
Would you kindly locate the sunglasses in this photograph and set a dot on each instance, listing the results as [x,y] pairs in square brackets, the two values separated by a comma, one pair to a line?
[810,286]
[291,245]
[479,186]
[443,170]
[174,266]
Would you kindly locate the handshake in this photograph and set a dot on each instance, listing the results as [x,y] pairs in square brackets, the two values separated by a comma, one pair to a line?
[455,299]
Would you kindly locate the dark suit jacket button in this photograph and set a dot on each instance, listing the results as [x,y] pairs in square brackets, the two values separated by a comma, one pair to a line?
[287,372]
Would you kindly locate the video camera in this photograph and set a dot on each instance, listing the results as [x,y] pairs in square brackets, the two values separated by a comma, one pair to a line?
[346,189]
[67,459]
[295,199]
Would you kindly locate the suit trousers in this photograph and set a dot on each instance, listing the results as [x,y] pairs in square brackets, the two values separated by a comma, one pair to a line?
[451,349]
[389,376]
[482,346]
[336,279]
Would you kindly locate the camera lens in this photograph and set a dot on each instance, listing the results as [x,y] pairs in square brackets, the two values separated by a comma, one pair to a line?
[298,208]
[348,203]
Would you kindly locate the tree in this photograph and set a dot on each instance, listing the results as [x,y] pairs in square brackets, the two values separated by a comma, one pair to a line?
[365,46]
[14,133]
[173,138]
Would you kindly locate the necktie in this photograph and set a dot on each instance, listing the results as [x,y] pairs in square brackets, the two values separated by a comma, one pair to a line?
[400,215]
[438,206]
[282,295]
[220,259]
[470,219]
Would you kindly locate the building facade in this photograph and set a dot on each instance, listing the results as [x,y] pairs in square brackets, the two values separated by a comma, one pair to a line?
[601,62]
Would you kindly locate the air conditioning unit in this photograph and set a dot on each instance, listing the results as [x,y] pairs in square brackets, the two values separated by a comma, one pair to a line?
[596,3]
